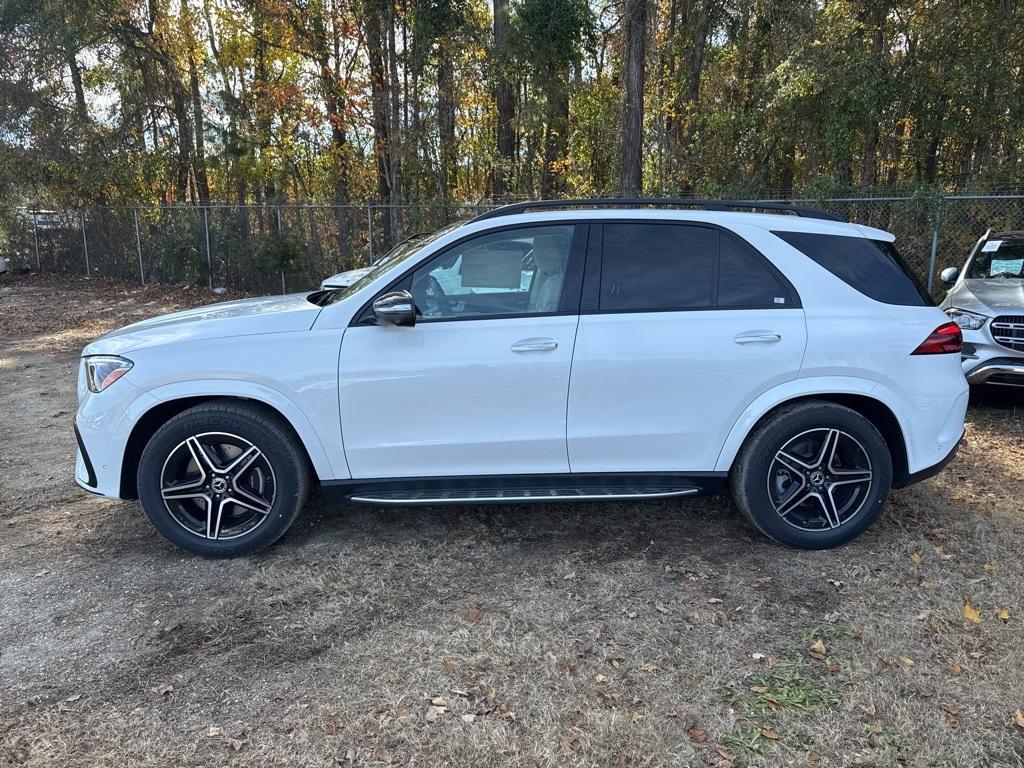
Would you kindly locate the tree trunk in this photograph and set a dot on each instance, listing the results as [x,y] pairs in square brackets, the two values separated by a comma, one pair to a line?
[504,101]
[202,182]
[446,170]
[552,182]
[631,134]
[380,105]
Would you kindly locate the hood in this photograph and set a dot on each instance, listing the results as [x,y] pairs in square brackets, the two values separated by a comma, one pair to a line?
[991,296]
[245,317]
[345,279]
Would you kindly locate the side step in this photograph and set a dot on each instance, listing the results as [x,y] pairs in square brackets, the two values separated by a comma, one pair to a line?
[517,495]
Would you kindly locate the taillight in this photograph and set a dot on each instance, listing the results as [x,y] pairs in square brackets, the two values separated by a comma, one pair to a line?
[944,340]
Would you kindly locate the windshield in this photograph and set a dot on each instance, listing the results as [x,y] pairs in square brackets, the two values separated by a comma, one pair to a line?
[392,258]
[998,259]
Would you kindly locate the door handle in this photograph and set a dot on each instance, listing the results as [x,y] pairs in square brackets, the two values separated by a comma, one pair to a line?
[535,345]
[758,338]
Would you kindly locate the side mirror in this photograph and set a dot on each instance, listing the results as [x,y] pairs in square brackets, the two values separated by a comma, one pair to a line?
[949,275]
[395,308]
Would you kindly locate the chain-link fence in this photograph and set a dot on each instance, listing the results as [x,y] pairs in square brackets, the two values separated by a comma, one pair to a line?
[281,248]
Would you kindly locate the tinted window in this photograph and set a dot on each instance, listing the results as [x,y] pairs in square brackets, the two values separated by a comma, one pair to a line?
[744,281]
[873,267]
[657,266]
[512,272]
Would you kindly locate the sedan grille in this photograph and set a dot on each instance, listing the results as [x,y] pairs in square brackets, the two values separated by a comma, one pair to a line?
[1008,330]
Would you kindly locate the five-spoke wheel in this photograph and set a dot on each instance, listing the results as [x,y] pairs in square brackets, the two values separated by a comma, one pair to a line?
[223,479]
[217,485]
[814,474]
[819,479]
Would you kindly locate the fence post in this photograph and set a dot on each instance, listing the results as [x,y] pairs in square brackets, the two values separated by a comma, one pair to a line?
[138,245]
[85,241]
[209,255]
[935,243]
[369,234]
[279,235]
[35,239]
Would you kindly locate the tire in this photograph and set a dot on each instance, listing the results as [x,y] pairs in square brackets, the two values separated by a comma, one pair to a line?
[239,462]
[777,486]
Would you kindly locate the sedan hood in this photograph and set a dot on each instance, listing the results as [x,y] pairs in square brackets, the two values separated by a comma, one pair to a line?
[246,317]
[991,296]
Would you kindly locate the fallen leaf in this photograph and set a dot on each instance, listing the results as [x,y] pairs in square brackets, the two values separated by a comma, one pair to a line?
[474,613]
[330,729]
[952,710]
[600,679]
[698,734]
[214,730]
[817,649]
[468,718]
[758,656]
[569,576]
[955,670]
[163,689]
[236,744]
[916,557]
[714,601]
[1018,718]
[988,568]
[1003,614]
[758,689]
[660,608]
[439,701]
[971,613]
[72,698]
[768,733]
[907,661]
[576,719]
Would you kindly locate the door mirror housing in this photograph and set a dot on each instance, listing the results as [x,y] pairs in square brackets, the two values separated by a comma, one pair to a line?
[395,308]
[949,275]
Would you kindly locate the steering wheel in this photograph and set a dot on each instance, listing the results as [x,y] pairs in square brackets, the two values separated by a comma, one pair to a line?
[432,290]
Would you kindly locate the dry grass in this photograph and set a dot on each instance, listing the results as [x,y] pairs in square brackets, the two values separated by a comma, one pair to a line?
[629,634]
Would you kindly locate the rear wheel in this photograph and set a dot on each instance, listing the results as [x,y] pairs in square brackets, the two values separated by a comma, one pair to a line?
[814,475]
[222,479]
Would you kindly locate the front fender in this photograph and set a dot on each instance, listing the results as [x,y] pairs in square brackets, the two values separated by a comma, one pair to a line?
[313,441]
[799,388]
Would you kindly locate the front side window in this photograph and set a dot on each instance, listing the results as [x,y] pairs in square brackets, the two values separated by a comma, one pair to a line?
[512,272]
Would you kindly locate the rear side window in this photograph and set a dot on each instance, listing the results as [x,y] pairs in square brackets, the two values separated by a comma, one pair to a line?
[873,267]
[657,267]
[664,267]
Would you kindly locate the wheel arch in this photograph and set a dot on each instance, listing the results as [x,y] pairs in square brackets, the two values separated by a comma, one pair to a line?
[152,419]
[880,414]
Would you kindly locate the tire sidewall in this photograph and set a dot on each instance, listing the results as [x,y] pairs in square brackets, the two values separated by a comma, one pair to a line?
[761,454]
[275,446]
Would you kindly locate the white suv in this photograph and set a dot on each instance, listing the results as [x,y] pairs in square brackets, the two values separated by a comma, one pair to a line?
[544,351]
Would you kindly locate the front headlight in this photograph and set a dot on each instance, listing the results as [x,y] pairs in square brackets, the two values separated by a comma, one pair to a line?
[968,321]
[103,370]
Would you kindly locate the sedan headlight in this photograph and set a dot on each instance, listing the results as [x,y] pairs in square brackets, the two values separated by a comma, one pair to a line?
[103,370]
[968,321]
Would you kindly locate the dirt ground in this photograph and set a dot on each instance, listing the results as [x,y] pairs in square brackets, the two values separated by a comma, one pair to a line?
[615,634]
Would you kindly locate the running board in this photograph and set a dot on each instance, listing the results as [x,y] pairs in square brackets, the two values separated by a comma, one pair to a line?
[516,495]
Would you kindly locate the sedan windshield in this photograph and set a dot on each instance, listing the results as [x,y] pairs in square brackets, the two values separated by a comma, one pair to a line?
[395,256]
[998,259]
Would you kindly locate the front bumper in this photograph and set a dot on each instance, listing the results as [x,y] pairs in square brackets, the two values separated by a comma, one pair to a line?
[985,361]
[1001,371]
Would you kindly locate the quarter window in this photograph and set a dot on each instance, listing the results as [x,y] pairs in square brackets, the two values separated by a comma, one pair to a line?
[744,281]
[512,272]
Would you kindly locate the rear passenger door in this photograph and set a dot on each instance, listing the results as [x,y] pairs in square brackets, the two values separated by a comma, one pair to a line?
[681,327]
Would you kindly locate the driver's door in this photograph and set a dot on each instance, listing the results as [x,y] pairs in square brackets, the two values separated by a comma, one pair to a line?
[479,385]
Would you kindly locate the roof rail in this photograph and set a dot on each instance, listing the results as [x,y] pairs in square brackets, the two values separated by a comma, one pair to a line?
[657,202]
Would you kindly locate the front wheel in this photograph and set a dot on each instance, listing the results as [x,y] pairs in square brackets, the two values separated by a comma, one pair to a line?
[222,479]
[814,475]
